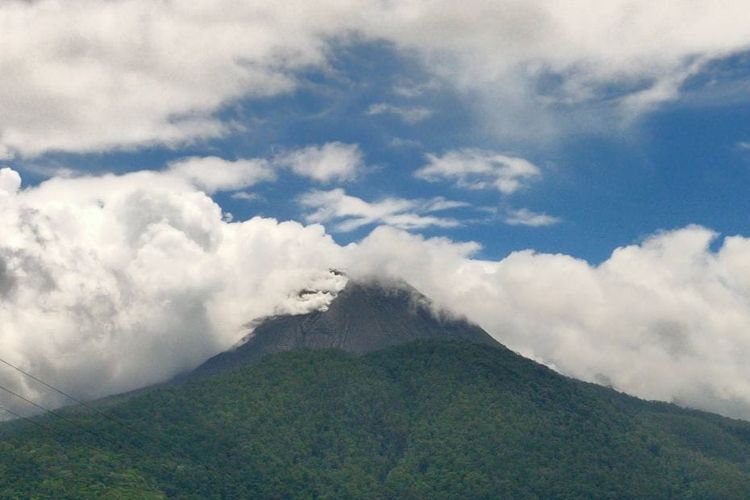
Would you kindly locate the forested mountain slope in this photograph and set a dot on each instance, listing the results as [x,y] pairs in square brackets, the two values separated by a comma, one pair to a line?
[428,419]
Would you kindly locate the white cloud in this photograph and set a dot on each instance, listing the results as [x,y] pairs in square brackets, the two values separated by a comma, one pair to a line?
[743,145]
[410,114]
[526,217]
[10,181]
[211,174]
[439,204]
[245,196]
[411,89]
[86,75]
[480,169]
[347,213]
[329,162]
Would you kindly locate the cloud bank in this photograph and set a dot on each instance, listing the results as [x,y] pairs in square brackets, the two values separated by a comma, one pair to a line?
[113,282]
[86,75]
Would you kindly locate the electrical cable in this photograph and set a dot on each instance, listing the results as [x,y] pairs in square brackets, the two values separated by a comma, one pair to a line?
[156,441]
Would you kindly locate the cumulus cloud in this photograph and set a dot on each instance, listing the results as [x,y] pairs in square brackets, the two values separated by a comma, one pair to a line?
[347,213]
[211,174]
[109,283]
[526,217]
[10,181]
[85,75]
[410,114]
[480,169]
[326,163]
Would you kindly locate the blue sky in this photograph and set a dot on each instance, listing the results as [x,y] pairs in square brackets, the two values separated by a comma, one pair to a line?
[685,162]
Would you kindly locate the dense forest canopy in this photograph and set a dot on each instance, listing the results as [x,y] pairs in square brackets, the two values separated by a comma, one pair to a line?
[429,419]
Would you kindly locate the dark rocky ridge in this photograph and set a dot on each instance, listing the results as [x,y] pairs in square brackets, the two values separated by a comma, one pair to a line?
[364,317]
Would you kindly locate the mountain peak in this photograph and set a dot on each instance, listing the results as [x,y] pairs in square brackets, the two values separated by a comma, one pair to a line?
[367,315]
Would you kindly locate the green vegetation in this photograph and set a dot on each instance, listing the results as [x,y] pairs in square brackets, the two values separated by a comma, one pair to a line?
[423,420]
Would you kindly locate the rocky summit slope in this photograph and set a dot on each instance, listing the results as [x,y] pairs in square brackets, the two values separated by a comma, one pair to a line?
[366,316]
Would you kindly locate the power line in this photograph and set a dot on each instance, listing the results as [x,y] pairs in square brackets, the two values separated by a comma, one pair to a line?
[75,424]
[45,384]
[22,417]
[72,398]
[154,440]
[96,434]
[58,415]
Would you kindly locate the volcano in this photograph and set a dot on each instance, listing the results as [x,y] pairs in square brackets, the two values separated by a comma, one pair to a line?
[366,316]
[379,396]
